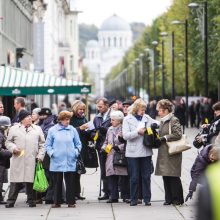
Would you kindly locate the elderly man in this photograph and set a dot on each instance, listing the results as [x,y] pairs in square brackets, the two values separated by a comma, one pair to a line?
[102,122]
[19,104]
[26,142]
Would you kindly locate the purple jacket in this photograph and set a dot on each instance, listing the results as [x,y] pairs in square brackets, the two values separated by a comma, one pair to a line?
[200,164]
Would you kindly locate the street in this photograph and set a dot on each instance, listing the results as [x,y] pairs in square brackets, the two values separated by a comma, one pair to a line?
[91,208]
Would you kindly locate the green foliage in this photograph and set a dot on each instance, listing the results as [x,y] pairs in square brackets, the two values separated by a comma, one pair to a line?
[180,11]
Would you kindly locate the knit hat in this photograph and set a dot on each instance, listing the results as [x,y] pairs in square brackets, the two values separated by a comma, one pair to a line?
[23,114]
[45,111]
[36,111]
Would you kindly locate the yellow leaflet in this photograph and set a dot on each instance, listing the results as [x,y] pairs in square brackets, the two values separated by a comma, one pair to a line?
[108,148]
[206,121]
[96,136]
[149,131]
[22,153]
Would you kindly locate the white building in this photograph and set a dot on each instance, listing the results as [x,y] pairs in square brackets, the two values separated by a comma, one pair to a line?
[114,39]
[16,32]
[57,31]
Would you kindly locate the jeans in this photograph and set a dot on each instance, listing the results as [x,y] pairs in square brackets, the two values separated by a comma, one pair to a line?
[140,167]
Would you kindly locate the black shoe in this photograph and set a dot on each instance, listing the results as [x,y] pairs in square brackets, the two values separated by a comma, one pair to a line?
[112,201]
[177,203]
[49,202]
[133,203]
[127,201]
[105,197]
[3,202]
[80,198]
[3,190]
[31,205]
[167,203]
[9,205]
[147,204]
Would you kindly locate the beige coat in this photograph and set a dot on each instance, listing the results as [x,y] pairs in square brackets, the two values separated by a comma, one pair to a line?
[169,165]
[31,144]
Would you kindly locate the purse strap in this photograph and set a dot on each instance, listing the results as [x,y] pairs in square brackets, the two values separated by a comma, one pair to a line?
[170,127]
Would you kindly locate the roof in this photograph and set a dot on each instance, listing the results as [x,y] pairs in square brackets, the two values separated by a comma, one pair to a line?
[115,23]
[14,81]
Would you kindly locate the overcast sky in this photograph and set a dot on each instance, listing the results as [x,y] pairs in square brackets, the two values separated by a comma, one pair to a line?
[96,11]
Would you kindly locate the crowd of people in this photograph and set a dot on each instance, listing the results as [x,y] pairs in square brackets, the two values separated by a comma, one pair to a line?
[117,133]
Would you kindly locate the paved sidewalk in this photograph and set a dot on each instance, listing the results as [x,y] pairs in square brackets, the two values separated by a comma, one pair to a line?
[91,208]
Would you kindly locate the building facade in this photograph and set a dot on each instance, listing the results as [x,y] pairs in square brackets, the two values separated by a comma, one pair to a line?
[114,39]
[16,36]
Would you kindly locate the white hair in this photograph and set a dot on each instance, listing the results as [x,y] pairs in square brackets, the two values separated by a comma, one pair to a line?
[118,115]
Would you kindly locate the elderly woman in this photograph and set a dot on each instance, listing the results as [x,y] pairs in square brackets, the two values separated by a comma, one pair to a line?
[79,121]
[139,156]
[26,143]
[63,147]
[169,167]
[113,141]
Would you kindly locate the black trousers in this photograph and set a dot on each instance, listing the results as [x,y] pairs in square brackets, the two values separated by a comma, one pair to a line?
[78,186]
[113,186]
[69,178]
[173,189]
[125,187]
[14,190]
[102,161]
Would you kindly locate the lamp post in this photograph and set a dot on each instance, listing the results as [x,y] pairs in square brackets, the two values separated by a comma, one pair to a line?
[148,51]
[163,34]
[137,78]
[185,23]
[142,73]
[173,66]
[202,12]
[154,43]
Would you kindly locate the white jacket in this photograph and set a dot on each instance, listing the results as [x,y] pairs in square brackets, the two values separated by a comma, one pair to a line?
[135,147]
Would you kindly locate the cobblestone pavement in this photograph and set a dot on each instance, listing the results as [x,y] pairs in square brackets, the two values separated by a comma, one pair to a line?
[91,208]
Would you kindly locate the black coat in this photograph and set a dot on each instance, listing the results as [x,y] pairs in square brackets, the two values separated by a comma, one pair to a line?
[5,154]
[101,126]
[199,166]
[180,113]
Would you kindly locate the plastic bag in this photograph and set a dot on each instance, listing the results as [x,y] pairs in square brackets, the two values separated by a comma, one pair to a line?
[40,180]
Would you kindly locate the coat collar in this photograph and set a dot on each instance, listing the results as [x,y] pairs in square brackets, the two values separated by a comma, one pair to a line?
[61,127]
[132,120]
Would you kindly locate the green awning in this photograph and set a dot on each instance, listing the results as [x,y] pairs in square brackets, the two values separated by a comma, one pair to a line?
[14,81]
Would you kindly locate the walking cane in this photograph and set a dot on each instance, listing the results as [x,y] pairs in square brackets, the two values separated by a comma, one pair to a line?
[100,185]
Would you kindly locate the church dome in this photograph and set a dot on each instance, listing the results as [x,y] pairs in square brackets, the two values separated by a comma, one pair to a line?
[115,23]
[92,44]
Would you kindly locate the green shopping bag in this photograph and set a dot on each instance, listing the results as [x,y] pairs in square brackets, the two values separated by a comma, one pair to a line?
[40,180]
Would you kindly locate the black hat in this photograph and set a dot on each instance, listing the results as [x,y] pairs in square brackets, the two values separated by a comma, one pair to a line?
[23,114]
[45,111]
[127,102]
[111,102]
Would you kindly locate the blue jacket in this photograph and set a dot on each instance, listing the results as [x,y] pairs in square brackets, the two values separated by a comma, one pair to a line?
[63,147]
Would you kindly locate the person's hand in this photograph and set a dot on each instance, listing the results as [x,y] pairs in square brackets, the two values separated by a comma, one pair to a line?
[189,196]
[141,131]
[204,125]
[116,148]
[39,160]
[163,139]
[199,139]
[84,127]
[16,152]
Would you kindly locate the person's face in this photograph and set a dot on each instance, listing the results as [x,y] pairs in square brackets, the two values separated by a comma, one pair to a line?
[217,113]
[114,107]
[102,108]
[27,121]
[141,111]
[212,157]
[65,122]
[115,122]
[35,117]
[17,105]
[162,112]
[125,109]
[80,111]
[1,109]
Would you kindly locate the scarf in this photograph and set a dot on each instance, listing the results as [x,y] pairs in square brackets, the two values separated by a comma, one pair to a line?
[166,118]
[138,117]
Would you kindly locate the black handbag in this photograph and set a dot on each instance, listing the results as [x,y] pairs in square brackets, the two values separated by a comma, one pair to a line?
[119,159]
[90,158]
[80,167]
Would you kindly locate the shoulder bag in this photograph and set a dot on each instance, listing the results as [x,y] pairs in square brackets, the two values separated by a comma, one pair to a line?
[175,147]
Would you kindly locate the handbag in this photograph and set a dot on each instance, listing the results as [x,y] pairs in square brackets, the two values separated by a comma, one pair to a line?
[175,147]
[151,139]
[80,167]
[90,157]
[119,159]
[40,180]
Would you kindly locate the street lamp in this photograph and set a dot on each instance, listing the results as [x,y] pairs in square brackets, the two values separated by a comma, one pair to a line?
[148,53]
[173,65]
[163,34]
[154,43]
[142,73]
[185,23]
[202,13]
[137,78]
